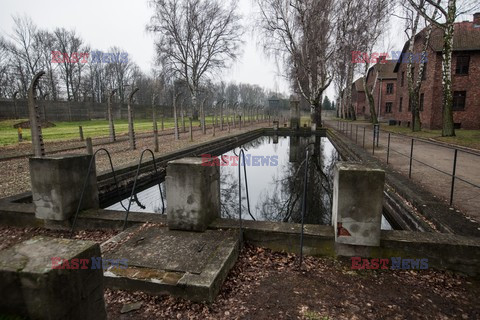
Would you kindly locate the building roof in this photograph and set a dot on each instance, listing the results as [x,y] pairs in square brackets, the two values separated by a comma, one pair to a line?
[466,37]
[358,84]
[385,70]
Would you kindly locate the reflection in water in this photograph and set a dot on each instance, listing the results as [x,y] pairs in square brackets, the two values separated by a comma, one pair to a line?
[148,198]
[275,173]
[276,187]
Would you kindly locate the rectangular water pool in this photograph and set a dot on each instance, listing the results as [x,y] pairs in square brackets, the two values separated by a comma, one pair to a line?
[275,167]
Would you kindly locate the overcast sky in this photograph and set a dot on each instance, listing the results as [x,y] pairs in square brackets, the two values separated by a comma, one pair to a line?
[107,23]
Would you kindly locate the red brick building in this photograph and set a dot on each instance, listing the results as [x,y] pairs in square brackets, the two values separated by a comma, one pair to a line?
[465,79]
[382,76]
[358,98]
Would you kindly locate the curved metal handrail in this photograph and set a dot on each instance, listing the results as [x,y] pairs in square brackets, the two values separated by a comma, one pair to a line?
[133,195]
[85,185]
[246,183]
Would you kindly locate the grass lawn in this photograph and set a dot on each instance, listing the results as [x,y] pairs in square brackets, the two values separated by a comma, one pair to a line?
[466,138]
[92,128]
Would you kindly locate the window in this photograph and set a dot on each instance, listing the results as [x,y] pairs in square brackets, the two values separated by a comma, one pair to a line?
[402,79]
[420,104]
[400,105]
[463,62]
[389,88]
[388,107]
[459,100]
[363,109]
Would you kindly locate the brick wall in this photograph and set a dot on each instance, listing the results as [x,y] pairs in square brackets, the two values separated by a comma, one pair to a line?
[380,97]
[431,116]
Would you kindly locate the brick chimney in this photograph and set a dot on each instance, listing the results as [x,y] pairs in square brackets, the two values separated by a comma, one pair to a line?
[476,19]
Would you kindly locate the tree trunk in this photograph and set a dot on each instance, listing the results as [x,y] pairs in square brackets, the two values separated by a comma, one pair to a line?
[175,118]
[447,128]
[348,93]
[371,102]
[416,122]
[316,115]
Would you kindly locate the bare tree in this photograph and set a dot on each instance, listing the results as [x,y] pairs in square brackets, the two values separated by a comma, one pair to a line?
[300,32]
[69,44]
[414,79]
[448,12]
[25,59]
[195,38]
[375,14]
[350,27]
[45,43]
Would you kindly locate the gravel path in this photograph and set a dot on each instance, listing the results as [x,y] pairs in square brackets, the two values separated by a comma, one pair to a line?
[425,156]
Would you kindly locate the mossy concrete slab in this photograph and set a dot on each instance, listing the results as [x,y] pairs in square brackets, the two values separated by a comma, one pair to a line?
[185,264]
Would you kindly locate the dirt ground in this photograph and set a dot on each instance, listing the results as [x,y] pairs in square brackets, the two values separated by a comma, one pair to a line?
[268,285]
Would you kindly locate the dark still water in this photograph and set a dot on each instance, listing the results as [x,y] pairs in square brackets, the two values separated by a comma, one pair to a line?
[275,180]
[275,168]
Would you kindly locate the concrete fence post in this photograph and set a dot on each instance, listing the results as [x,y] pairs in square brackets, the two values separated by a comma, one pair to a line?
[213,125]
[294,114]
[110,116]
[155,125]
[34,115]
[357,207]
[89,146]
[191,129]
[20,134]
[221,115]
[131,130]
[15,104]
[80,132]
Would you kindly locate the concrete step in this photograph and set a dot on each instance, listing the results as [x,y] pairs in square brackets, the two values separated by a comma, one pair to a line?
[190,265]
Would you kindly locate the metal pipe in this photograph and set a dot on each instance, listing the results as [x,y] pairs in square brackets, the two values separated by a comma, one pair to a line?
[388,148]
[453,176]
[304,205]
[411,159]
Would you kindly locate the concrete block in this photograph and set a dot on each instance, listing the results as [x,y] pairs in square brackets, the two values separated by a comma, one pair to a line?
[193,194]
[357,204]
[57,184]
[294,114]
[275,125]
[32,288]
